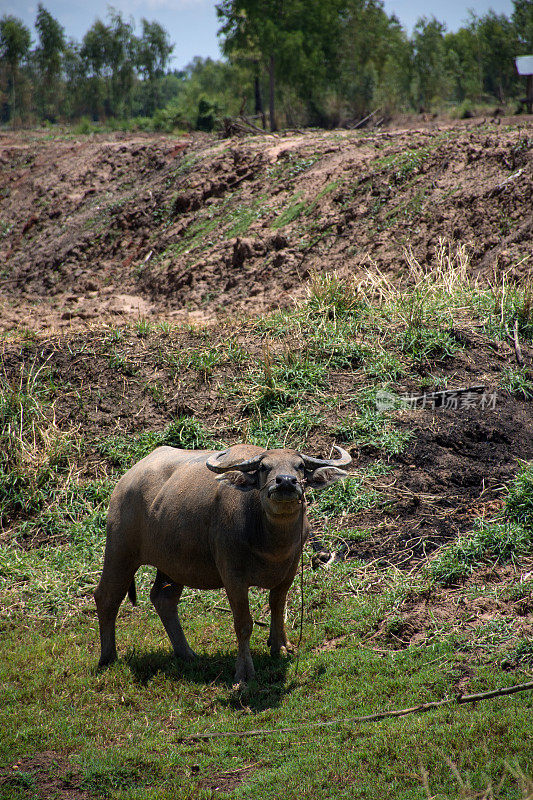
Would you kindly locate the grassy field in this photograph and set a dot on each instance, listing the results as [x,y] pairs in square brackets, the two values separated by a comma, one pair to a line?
[378,634]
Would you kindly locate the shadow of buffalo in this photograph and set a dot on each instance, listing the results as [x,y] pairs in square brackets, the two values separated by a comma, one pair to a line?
[264,692]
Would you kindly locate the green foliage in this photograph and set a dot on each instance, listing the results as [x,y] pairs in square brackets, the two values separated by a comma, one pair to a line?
[15,43]
[519,500]
[523,22]
[370,428]
[491,542]
[324,62]
[344,497]
[283,427]
[430,78]
[207,115]
[48,54]
[517,381]
[185,432]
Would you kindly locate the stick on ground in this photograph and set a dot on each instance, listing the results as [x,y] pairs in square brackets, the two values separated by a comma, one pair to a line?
[461,699]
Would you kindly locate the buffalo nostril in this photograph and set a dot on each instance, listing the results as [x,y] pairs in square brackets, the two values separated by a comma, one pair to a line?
[286,479]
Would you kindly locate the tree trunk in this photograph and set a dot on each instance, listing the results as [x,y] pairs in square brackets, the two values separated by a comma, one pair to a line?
[13,93]
[259,111]
[273,125]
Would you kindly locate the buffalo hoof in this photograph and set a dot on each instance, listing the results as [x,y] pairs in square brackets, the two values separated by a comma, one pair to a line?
[187,654]
[106,662]
[282,650]
[244,671]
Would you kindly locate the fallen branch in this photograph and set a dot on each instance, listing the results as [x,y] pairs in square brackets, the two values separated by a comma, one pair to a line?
[460,699]
[362,121]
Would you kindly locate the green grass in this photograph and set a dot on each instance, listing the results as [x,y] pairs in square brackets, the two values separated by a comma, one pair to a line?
[500,541]
[185,432]
[518,381]
[489,542]
[278,381]
[372,429]
[519,500]
[291,167]
[241,216]
[292,211]
[405,163]
[122,730]
[119,734]
[285,427]
[34,453]
[505,305]
[343,498]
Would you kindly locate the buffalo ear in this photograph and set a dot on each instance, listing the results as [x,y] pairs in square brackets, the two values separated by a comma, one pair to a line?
[240,479]
[325,476]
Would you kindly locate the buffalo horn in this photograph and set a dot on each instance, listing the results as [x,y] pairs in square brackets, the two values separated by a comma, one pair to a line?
[213,464]
[343,461]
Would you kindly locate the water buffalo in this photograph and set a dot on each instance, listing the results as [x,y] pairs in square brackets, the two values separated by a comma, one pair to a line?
[207,520]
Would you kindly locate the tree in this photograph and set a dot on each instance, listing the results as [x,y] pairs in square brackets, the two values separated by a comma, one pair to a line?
[110,53]
[153,54]
[429,61]
[395,69]
[48,57]
[465,65]
[249,24]
[95,55]
[522,18]
[74,69]
[498,46]
[296,42]
[15,41]
[374,56]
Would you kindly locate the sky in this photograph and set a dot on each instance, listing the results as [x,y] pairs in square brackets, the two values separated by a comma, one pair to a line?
[193,24]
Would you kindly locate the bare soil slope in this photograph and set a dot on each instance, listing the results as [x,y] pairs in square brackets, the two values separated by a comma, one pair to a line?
[102,229]
[121,224]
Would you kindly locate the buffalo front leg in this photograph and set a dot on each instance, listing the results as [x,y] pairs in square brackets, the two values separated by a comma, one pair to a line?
[165,596]
[277,640]
[243,622]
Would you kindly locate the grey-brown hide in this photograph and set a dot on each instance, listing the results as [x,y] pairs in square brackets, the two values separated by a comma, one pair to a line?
[242,527]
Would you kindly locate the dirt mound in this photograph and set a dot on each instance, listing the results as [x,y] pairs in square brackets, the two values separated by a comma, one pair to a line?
[104,229]
[193,225]
[125,381]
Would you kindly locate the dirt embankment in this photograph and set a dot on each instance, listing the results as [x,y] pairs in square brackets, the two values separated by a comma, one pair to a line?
[120,224]
[108,228]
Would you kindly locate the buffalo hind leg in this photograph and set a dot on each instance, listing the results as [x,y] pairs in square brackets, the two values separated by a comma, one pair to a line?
[277,640]
[243,622]
[165,596]
[108,595]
